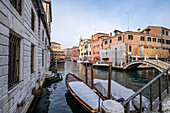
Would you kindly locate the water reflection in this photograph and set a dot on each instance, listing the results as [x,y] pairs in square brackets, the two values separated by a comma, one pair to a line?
[133,79]
[63,102]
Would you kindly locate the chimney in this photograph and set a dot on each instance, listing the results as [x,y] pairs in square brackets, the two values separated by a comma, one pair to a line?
[92,37]
[139,30]
[110,34]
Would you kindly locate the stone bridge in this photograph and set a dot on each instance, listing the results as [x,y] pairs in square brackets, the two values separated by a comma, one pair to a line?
[158,64]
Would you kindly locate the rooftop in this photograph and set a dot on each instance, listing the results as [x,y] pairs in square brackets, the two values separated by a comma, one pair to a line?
[55,43]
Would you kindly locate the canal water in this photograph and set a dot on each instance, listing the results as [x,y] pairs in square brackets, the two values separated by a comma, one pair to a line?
[59,100]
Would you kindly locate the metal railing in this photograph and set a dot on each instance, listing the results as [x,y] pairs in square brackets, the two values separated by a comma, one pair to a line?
[149,85]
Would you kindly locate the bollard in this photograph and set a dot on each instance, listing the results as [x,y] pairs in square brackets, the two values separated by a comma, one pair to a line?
[86,73]
[109,80]
[92,75]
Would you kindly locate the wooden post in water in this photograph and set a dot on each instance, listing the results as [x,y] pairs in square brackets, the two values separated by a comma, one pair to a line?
[109,80]
[86,73]
[92,75]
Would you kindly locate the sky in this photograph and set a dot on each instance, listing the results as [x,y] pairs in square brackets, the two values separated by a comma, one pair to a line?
[75,19]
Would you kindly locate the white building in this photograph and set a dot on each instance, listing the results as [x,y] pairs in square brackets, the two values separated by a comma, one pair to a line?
[85,49]
[24,52]
[115,54]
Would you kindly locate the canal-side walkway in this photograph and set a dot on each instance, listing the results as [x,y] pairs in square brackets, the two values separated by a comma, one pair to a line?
[166,104]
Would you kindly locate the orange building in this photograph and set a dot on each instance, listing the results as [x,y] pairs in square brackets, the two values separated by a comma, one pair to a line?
[75,53]
[150,41]
[96,45]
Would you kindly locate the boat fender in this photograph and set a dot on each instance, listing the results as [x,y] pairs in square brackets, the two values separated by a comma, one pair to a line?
[111,106]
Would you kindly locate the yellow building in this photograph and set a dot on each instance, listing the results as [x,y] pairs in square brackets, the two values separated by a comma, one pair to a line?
[55,46]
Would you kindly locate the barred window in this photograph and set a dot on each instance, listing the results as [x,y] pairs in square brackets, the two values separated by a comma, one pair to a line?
[43,57]
[32,58]
[17,5]
[14,59]
[32,19]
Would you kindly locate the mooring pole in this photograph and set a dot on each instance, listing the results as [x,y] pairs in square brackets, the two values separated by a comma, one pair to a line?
[109,80]
[92,75]
[86,73]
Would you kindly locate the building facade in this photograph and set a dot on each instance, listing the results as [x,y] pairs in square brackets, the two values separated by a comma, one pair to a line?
[68,54]
[24,52]
[75,53]
[151,41]
[85,49]
[96,45]
[55,46]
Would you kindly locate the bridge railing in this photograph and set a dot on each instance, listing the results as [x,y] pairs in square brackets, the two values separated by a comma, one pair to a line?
[149,85]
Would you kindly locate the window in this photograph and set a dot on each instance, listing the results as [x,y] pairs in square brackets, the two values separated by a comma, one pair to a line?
[105,42]
[119,38]
[163,32]
[162,41]
[159,40]
[130,48]
[43,35]
[130,37]
[90,53]
[142,38]
[73,50]
[17,4]
[167,33]
[58,47]
[43,57]
[45,41]
[154,39]
[14,59]
[149,39]
[32,19]
[110,40]
[32,58]
[147,32]
[167,41]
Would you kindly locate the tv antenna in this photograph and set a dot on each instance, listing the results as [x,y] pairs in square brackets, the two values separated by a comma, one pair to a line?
[128,20]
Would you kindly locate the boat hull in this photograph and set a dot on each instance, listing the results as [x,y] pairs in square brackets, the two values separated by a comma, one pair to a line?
[71,78]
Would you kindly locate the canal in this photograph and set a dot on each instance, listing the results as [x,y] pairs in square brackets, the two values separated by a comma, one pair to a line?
[60,101]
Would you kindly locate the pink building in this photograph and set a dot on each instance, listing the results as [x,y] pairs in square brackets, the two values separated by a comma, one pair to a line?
[96,45]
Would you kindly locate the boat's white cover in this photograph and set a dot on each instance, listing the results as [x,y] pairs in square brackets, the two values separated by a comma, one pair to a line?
[86,94]
[79,61]
[100,64]
[118,91]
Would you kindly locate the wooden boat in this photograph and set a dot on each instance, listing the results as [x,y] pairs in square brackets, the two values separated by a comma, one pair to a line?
[83,93]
